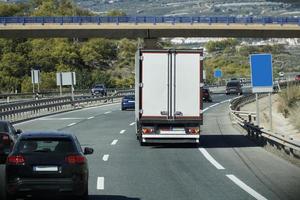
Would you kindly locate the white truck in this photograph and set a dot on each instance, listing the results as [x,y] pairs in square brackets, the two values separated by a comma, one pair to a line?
[168,95]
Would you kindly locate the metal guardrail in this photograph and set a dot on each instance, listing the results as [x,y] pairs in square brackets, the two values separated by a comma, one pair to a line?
[246,120]
[32,109]
[149,19]
[11,97]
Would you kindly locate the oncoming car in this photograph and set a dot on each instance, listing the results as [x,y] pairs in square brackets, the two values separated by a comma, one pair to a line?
[50,163]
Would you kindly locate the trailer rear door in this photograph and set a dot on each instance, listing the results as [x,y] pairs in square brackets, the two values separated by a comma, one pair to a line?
[186,85]
[154,71]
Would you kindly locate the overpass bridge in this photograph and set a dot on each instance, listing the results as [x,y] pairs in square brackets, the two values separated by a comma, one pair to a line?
[149,27]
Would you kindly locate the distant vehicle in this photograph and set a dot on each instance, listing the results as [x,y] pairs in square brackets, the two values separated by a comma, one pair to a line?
[128,102]
[297,77]
[233,87]
[206,94]
[281,74]
[168,104]
[8,137]
[99,89]
[46,163]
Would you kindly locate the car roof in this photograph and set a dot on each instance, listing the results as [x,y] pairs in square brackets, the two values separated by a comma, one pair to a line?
[45,134]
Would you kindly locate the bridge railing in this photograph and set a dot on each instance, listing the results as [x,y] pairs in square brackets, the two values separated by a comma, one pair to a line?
[149,19]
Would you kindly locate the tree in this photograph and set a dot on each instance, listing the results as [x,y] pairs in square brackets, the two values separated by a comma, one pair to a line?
[116,13]
[99,53]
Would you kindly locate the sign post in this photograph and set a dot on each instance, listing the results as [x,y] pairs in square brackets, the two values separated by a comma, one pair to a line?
[262,79]
[35,79]
[66,78]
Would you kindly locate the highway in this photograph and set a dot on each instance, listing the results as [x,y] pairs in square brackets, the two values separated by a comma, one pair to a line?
[226,165]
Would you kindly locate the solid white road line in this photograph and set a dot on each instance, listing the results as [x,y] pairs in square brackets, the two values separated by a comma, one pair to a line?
[105,157]
[60,118]
[133,123]
[107,112]
[122,131]
[114,142]
[245,187]
[211,159]
[72,124]
[100,183]
[91,117]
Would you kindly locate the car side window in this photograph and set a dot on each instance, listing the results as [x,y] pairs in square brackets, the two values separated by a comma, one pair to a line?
[78,144]
[11,129]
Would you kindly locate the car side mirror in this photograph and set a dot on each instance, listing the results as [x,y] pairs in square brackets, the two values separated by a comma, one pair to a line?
[19,131]
[88,151]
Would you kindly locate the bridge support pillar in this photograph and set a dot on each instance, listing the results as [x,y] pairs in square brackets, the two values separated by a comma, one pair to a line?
[151,43]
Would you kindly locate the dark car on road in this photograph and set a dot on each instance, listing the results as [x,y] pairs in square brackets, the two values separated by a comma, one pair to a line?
[99,89]
[128,102]
[234,87]
[206,94]
[46,164]
[8,137]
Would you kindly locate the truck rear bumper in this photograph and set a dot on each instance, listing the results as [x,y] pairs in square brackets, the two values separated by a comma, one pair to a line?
[170,138]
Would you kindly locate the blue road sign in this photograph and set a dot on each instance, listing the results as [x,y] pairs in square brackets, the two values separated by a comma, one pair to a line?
[261,73]
[218,73]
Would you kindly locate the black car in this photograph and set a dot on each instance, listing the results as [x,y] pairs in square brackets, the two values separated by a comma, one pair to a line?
[99,89]
[8,137]
[47,163]
[233,87]
[206,94]
[128,102]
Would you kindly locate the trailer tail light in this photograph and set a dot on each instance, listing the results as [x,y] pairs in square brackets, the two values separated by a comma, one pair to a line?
[193,130]
[16,160]
[75,159]
[147,130]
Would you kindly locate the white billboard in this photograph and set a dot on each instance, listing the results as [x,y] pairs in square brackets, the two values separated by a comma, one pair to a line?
[35,76]
[65,78]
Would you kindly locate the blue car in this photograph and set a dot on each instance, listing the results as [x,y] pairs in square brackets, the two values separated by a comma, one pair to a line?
[128,102]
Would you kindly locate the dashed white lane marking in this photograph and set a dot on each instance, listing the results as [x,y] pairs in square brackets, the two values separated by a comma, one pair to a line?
[100,183]
[245,187]
[105,157]
[133,123]
[107,112]
[122,131]
[114,142]
[91,117]
[211,159]
[72,124]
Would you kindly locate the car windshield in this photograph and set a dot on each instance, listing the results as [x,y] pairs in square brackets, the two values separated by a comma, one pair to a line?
[3,127]
[99,86]
[131,97]
[49,145]
[232,84]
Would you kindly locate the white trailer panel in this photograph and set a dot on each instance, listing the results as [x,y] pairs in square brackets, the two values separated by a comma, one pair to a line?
[154,84]
[187,84]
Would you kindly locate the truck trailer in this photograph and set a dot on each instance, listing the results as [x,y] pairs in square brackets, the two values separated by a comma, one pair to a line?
[168,95]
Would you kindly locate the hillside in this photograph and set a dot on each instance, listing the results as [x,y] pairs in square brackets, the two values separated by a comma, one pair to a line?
[196,7]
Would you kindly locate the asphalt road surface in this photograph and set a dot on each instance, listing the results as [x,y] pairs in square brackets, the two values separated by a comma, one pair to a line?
[226,165]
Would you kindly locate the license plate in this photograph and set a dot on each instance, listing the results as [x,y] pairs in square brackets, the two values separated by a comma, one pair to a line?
[45,168]
[131,101]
